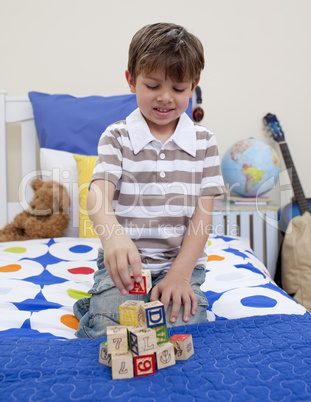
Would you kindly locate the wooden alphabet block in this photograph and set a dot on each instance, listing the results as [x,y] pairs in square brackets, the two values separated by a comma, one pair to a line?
[165,355]
[132,313]
[144,365]
[104,356]
[155,314]
[122,365]
[142,340]
[183,346]
[161,334]
[141,345]
[143,287]
[117,339]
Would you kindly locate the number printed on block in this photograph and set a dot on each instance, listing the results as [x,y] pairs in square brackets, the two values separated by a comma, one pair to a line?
[183,346]
[117,339]
[144,365]
[155,314]
[144,286]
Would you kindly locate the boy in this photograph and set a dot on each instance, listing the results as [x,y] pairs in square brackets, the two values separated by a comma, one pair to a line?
[152,190]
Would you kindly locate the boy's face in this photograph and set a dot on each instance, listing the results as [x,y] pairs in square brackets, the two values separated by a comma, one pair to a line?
[161,100]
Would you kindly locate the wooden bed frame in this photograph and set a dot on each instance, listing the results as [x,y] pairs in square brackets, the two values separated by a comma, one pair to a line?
[257,225]
[16,110]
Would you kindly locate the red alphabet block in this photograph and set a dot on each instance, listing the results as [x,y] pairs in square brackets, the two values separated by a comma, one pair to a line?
[142,288]
[183,346]
[144,365]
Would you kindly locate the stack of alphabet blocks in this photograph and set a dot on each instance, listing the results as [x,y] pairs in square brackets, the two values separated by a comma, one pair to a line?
[140,345]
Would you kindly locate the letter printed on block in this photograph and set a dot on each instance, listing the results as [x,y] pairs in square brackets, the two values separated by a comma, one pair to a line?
[155,314]
[131,313]
[122,365]
[161,333]
[143,287]
[143,340]
[133,342]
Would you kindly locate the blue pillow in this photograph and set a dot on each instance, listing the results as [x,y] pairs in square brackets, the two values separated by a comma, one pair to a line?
[71,124]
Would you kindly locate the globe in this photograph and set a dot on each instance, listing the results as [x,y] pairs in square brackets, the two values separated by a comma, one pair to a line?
[250,168]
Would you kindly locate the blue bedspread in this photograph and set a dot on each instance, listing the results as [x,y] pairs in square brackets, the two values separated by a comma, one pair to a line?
[255,358]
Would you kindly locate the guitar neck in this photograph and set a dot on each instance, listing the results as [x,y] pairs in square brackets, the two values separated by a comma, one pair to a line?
[300,198]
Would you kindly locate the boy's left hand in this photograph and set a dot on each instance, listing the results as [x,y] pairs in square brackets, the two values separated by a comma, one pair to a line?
[178,289]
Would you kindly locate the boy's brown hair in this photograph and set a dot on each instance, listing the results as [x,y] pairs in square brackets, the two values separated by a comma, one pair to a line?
[167,46]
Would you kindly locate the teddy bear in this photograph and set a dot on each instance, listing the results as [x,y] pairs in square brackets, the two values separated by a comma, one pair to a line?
[47,214]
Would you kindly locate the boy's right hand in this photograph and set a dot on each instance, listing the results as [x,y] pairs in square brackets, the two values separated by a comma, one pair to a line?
[119,253]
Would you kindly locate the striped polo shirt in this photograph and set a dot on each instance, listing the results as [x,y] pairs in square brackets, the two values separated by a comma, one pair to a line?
[158,185]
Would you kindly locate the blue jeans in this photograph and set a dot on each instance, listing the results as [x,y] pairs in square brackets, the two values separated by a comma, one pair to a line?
[101,310]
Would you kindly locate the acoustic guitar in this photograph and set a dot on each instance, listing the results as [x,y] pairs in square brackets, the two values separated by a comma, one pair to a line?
[294,265]
[300,204]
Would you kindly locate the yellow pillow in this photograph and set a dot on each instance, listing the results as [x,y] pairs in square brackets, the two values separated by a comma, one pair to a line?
[85,165]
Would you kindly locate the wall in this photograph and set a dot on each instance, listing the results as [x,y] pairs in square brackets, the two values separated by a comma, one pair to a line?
[258,58]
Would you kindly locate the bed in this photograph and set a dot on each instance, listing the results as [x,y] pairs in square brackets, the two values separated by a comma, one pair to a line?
[255,346]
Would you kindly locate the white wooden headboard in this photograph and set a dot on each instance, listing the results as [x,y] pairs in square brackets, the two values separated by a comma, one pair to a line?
[16,110]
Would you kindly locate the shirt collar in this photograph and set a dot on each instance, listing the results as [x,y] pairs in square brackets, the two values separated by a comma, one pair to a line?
[140,135]
[185,135]
[138,130]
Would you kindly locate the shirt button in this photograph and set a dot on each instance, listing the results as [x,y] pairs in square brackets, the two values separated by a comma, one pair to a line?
[162,156]
[162,175]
